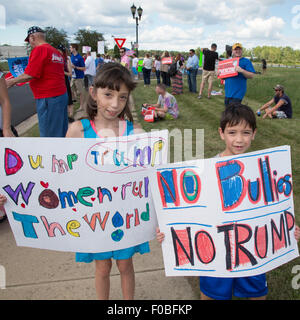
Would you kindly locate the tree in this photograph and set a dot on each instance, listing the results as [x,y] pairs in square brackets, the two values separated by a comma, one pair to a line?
[56,37]
[89,38]
[116,52]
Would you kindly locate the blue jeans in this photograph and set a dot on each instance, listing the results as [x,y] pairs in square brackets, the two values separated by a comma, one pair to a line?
[192,80]
[147,74]
[53,116]
[157,73]
[228,101]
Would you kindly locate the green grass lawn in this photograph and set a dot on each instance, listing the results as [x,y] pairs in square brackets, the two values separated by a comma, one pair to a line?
[205,114]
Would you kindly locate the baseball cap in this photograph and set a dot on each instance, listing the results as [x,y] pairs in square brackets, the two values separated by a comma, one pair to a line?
[32,30]
[279,87]
[61,47]
[237,45]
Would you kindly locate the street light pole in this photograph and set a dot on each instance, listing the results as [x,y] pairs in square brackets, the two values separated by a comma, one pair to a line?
[140,12]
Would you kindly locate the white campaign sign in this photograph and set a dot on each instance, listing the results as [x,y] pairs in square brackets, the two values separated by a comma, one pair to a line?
[226,217]
[81,195]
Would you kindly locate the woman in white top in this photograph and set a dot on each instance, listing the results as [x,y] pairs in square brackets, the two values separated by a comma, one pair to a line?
[147,66]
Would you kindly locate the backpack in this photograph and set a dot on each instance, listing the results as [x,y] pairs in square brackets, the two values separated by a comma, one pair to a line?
[173,69]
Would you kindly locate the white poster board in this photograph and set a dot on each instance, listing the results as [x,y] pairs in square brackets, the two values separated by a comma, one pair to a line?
[81,195]
[226,217]
[86,49]
[100,47]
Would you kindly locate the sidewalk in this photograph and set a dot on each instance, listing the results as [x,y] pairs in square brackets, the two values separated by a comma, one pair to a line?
[34,274]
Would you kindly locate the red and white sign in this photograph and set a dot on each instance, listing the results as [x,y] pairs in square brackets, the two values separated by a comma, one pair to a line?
[120,42]
[226,68]
[167,60]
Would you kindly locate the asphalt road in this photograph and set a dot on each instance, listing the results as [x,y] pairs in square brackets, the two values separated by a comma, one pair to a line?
[22,102]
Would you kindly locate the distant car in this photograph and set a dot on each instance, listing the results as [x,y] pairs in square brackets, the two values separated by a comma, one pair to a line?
[3,60]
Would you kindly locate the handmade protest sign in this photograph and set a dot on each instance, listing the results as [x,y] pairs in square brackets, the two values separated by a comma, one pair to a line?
[226,68]
[17,66]
[226,217]
[81,195]
[86,49]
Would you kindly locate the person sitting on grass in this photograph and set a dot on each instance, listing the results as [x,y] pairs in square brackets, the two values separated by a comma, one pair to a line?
[282,108]
[166,106]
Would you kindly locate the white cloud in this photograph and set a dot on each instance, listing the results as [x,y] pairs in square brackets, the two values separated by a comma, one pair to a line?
[167,36]
[262,29]
[165,24]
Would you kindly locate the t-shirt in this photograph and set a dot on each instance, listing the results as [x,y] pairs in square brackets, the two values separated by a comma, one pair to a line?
[125,61]
[90,66]
[135,62]
[210,60]
[46,66]
[287,107]
[170,102]
[147,63]
[78,62]
[236,87]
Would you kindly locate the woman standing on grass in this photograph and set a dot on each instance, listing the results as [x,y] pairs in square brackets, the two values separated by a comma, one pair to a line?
[147,66]
[164,68]
[177,84]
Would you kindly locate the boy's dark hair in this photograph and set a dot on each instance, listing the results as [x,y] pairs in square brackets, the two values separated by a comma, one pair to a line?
[111,75]
[235,114]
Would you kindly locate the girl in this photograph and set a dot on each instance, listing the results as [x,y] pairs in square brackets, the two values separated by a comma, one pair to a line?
[107,107]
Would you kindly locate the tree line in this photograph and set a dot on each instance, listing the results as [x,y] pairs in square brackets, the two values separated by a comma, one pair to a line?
[272,54]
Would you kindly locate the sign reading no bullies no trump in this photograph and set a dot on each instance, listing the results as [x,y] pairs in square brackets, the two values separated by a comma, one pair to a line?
[81,195]
[226,217]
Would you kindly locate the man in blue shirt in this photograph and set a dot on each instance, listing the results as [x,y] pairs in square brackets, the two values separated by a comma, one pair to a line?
[78,67]
[236,87]
[192,66]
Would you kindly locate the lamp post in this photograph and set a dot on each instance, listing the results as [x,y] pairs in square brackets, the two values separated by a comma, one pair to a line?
[139,12]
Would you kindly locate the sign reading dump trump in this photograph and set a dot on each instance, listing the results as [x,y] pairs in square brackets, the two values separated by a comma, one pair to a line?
[226,217]
[81,195]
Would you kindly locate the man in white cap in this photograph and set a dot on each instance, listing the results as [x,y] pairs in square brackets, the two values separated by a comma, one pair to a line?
[45,71]
[282,108]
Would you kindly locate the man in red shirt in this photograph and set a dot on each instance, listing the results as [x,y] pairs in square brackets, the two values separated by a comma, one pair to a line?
[45,71]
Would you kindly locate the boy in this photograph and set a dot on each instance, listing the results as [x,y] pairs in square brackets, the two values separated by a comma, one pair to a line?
[166,106]
[237,130]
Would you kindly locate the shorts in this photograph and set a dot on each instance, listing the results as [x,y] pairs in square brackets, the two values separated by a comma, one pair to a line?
[78,84]
[208,75]
[225,288]
[116,254]
[280,115]
[229,101]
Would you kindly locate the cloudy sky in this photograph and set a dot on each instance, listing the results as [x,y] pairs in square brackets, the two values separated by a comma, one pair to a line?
[165,24]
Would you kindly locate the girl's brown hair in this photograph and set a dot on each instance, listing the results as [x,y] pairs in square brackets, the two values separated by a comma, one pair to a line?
[111,75]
